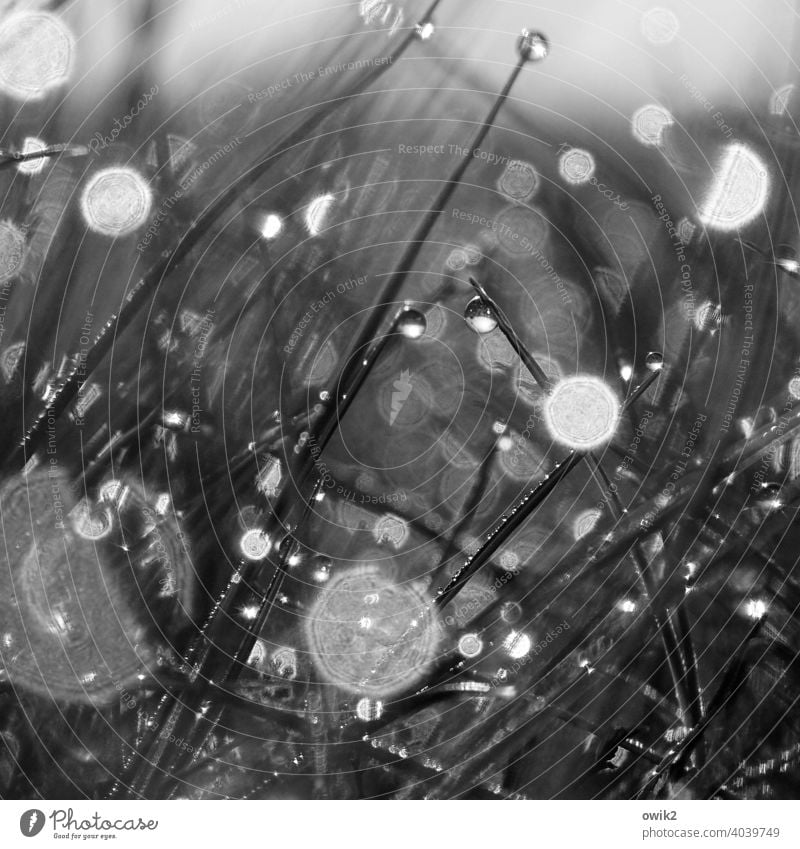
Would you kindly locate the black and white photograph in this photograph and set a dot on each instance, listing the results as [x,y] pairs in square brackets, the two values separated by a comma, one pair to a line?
[400,401]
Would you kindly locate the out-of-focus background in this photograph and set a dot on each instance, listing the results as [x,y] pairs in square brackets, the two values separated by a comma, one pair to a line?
[237,186]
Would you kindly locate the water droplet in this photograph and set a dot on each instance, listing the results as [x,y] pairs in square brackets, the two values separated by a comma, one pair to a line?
[654,361]
[533,46]
[412,324]
[480,316]
[425,30]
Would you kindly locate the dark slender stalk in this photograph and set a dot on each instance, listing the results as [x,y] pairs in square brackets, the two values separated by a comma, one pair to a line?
[150,281]
[528,360]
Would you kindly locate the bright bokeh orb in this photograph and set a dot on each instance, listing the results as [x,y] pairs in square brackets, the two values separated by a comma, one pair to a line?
[36,51]
[585,522]
[116,201]
[12,249]
[659,25]
[470,645]
[582,412]
[317,212]
[390,529]
[738,192]
[780,98]
[518,181]
[517,645]
[255,544]
[362,634]
[649,122]
[576,166]
[272,226]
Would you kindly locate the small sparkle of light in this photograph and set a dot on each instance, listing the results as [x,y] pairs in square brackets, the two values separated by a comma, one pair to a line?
[116,201]
[319,496]
[317,213]
[738,192]
[517,644]
[626,372]
[425,31]
[294,560]
[249,612]
[755,608]
[627,606]
[789,265]
[505,443]
[272,226]
[576,166]
[581,412]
